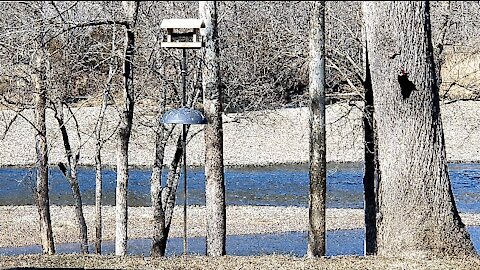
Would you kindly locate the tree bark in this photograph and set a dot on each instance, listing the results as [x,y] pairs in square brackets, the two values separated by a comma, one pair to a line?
[98,197]
[70,174]
[169,192]
[98,148]
[124,131]
[159,243]
[212,101]
[42,198]
[159,240]
[417,215]
[317,173]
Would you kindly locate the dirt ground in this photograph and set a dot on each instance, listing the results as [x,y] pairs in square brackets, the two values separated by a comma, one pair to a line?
[232,262]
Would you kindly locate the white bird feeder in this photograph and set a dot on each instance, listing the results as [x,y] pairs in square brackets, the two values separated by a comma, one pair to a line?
[183,33]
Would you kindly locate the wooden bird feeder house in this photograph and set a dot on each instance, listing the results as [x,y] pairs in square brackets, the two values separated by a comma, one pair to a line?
[183,33]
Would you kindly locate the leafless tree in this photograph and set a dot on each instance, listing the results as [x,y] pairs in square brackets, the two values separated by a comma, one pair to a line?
[417,216]
[70,171]
[318,163]
[212,104]
[124,130]
[25,49]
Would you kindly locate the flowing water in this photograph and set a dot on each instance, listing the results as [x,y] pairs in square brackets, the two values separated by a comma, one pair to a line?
[274,186]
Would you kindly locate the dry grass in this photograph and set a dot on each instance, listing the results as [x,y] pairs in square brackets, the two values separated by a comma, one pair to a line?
[233,262]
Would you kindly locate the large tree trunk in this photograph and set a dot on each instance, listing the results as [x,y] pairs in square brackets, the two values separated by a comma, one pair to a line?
[212,100]
[318,176]
[124,131]
[42,199]
[417,212]
[70,174]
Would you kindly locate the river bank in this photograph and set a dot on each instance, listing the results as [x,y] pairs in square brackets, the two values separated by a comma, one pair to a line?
[257,219]
[250,139]
[20,228]
[20,223]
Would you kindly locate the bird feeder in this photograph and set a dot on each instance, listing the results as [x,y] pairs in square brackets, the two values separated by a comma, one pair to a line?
[183,33]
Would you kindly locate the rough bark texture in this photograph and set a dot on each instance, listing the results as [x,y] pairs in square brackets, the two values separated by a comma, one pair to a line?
[124,131]
[70,174]
[159,242]
[41,196]
[417,212]
[212,100]
[316,202]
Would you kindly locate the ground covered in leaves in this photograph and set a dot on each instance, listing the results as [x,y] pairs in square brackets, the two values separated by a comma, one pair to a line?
[230,262]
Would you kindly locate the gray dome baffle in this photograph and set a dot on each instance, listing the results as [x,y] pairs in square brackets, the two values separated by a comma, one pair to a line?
[184,116]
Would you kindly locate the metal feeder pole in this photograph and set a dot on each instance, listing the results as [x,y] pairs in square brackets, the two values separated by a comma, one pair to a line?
[184,142]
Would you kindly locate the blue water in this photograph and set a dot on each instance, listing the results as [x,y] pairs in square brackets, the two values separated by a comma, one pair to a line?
[341,242]
[276,186]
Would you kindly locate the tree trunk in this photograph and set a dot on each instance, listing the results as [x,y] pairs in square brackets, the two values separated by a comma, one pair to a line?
[98,198]
[42,199]
[70,174]
[159,243]
[168,193]
[124,131]
[99,145]
[417,215]
[212,103]
[316,202]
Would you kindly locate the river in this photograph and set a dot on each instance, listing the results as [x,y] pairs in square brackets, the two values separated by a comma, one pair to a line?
[274,186]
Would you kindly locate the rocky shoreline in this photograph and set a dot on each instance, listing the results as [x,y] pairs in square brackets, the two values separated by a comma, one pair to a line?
[250,139]
[20,223]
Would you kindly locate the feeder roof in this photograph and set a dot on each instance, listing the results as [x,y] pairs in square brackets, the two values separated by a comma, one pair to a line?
[182,23]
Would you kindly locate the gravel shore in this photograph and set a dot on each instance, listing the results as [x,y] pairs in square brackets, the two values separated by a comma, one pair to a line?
[20,228]
[251,139]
